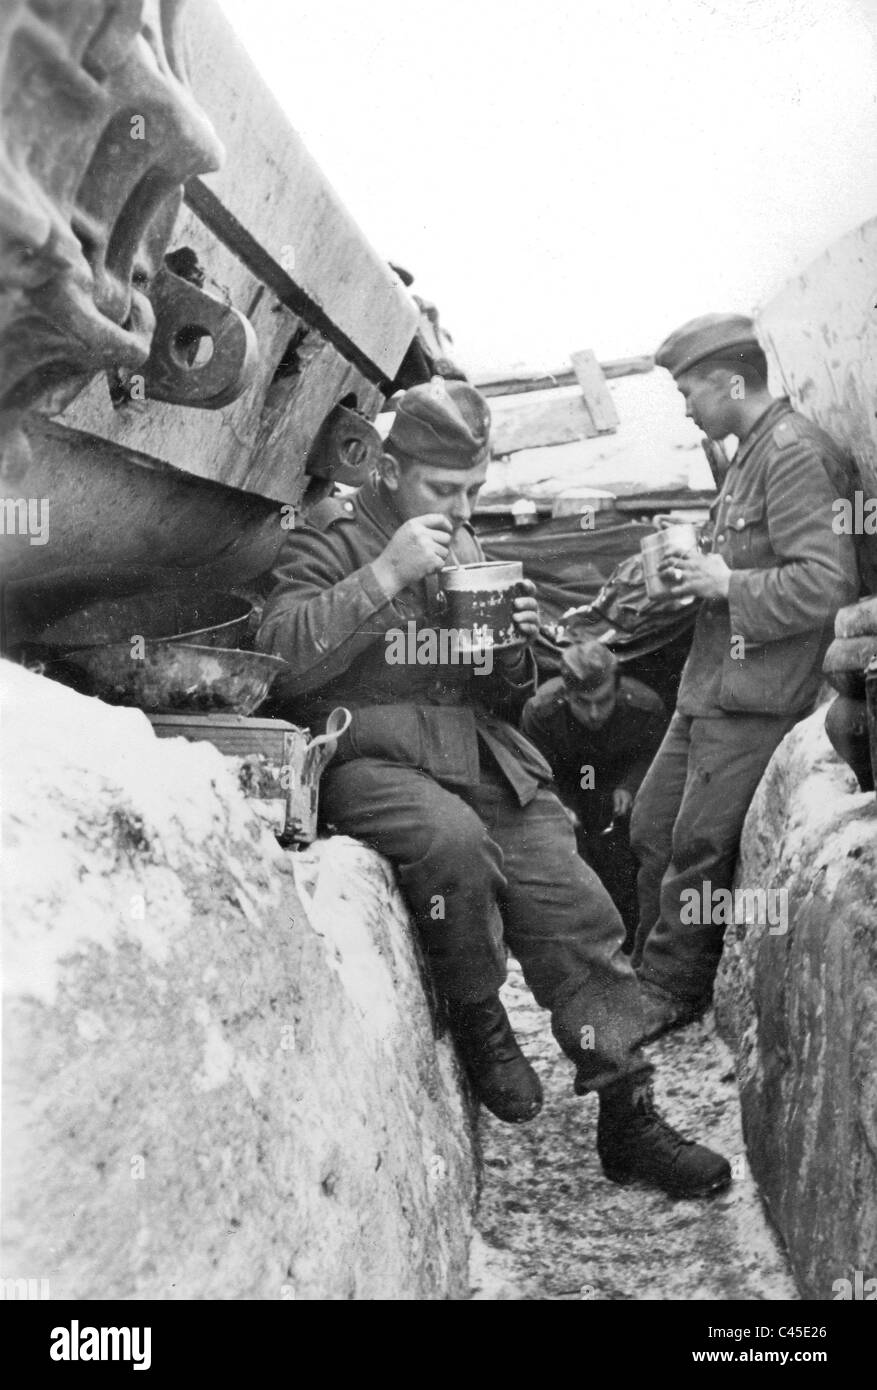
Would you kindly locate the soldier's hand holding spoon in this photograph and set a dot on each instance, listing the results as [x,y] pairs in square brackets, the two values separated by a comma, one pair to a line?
[419,547]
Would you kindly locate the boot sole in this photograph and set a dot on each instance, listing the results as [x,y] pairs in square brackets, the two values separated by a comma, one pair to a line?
[513,1119]
[710,1189]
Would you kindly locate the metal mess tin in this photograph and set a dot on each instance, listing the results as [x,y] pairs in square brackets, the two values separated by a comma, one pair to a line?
[678,539]
[280,767]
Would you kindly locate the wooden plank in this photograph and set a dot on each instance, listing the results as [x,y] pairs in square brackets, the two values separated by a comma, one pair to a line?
[668,500]
[115,509]
[288,428]
[239,445]
[273,191]
[209,443]
[537,424]
[517,383]
[595,391]
[233,235]
[820,335]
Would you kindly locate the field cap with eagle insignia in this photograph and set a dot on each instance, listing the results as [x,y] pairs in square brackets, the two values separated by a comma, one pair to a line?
[711,335]
[446,424]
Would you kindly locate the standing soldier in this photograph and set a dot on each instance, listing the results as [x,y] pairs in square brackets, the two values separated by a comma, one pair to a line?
[599,731]
[771,586]
[433,775]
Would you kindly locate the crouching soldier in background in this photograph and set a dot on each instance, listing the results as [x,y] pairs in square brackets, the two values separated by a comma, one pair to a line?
[599,731]
[433,775]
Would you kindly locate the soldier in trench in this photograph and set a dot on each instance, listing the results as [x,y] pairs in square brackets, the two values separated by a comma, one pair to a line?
[433,774]
[776,576]
[599,730]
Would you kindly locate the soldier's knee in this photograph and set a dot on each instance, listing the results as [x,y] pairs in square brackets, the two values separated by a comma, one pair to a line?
[459,837]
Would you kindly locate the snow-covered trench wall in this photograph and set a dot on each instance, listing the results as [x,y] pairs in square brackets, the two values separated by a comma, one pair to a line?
[220,1075]
[797,999]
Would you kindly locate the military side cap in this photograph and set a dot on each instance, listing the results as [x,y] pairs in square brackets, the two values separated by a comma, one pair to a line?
[443,423]
[587,665]
[711,335]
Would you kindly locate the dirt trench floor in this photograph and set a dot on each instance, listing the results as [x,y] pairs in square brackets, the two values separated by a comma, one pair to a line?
[551,1227]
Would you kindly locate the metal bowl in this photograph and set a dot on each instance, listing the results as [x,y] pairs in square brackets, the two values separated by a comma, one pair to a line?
[172,676]
[205,618]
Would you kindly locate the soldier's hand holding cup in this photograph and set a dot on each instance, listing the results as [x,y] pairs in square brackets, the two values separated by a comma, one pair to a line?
[526,614]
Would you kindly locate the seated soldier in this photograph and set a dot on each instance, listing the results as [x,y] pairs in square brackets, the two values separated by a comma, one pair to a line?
[433,775]
[599,731]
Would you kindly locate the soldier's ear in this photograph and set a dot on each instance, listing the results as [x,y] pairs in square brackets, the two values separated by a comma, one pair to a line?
[388,468]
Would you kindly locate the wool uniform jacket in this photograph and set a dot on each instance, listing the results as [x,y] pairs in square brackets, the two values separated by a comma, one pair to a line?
[619,752]
[329,617]
[761,650]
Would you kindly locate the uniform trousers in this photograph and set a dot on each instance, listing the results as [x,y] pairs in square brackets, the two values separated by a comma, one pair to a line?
[685,831]
[480,874]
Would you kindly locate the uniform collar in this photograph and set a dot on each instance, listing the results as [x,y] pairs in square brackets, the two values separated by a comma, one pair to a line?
[765,422]
[376,503]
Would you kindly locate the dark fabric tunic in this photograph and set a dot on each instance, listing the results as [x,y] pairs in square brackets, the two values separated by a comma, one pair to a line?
[773,525]
[791,572]
[435,777]
[329,618]
[619,753]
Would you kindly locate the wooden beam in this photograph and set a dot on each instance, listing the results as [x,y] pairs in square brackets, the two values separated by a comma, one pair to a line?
[671,500]
[271,203]
[114,508]
[515,385]
[595,391]
[226,228]
[538,424]
[667,500]
[259,442]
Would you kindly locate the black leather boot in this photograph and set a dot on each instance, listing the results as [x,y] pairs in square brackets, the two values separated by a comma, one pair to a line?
[634,1143]
[500,1073]
[664,1012]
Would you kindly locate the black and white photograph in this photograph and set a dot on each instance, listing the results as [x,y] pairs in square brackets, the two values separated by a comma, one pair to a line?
[438,692]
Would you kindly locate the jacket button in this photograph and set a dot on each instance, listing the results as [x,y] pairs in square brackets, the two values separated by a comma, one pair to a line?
[739,523]
[728,497]
[720,538]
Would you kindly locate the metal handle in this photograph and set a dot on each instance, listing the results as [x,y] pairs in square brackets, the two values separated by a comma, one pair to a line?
[337,724]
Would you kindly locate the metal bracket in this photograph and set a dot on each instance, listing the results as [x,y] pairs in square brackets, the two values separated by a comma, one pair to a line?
[345,449]
[204,353]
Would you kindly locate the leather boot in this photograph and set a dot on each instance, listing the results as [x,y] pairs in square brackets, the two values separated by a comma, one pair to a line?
[664,1012]
[502,1077]
[634,1143]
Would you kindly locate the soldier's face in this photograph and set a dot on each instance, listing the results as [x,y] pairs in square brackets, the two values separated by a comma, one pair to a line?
[709,401]
[421,488]
[594,707]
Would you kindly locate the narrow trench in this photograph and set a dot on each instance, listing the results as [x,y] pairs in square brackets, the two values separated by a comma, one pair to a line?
[550,1226]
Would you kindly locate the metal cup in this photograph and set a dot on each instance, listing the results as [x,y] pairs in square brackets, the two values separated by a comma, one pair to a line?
[678,539]
[479,599]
